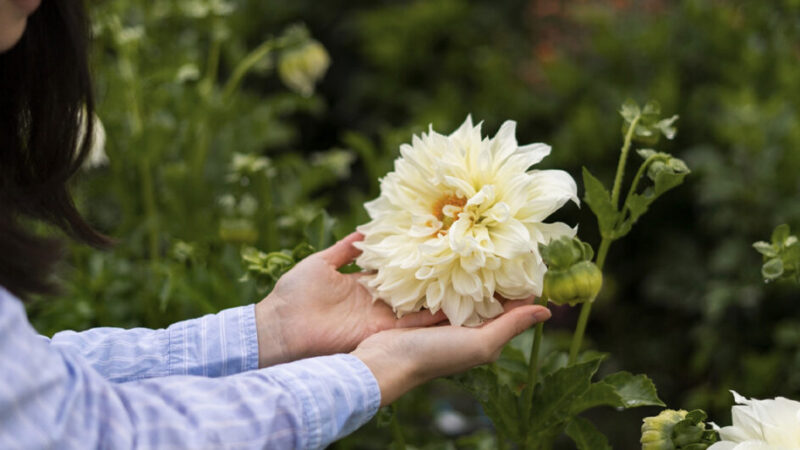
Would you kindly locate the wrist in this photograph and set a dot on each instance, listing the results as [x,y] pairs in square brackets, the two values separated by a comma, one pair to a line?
[272,348]
[395,375]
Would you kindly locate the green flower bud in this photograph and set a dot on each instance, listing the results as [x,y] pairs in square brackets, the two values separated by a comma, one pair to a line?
[677,430]
[571,275]
[302,66]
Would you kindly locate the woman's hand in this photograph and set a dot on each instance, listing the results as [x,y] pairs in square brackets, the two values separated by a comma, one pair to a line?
[402,359]
[316,310]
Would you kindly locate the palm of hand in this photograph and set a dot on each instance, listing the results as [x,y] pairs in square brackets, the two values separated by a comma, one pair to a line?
[322,311]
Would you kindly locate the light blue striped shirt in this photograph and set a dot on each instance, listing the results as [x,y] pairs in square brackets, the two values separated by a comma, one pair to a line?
[140,388]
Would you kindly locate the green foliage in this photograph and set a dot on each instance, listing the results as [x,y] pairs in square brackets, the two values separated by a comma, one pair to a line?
[642,125]
[563,392]
[781,255]
[586,436]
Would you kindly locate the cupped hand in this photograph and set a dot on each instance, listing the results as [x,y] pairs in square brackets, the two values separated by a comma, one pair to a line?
[317,310]
[401,359]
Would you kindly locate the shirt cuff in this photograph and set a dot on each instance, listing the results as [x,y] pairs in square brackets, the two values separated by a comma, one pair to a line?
[338,394]
[215,345]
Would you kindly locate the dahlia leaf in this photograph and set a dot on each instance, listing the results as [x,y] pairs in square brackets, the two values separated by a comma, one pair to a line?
[554,397]
[599,201]
[634,390]
[586,436]
[619,390]
[498,401]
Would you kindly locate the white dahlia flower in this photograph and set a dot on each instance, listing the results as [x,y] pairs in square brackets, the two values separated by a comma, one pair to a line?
[459,220]
[772,424]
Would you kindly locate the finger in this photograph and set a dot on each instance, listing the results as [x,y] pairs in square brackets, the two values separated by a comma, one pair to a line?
[507,325]
[528,300]
[343,251]
[512,304]
[422,318]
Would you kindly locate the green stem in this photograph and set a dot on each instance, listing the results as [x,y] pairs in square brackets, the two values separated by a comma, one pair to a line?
[623,157]
[635,184]
[577,338]
[212,67]
[245,65]
[396,430]
[586,309]
[533,363]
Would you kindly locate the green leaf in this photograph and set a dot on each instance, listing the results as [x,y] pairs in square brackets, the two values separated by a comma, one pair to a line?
[765,248]
[780,235]
[318,232]
[499,402]
[598,394]
[629,110]
[637,205]
[599,201]
[667,127]
[772,269]
[552,362]
[634,390]
[553,398]
[586,436]
[619,390]
[646,153]
[667,179]
[512,367]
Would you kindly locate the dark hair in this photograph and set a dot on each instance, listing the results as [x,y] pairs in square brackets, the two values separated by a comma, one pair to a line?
[45,87]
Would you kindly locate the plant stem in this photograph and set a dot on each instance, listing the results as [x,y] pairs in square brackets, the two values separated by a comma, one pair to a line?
[396,430]
[623,158]
[586,309]
[533,363]
[635,184]
[245,65]
[212,67]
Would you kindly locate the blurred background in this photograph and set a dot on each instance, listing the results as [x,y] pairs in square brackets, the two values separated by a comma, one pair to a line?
[214,150]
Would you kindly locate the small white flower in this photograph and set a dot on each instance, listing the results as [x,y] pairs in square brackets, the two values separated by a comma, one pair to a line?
[301,67]
[459,220]
[772,424]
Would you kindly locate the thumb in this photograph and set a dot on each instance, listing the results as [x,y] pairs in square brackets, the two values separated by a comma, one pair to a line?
[503,328]
[343,251]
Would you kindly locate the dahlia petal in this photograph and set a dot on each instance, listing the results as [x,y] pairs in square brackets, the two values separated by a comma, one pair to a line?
[457,308]
[489,309]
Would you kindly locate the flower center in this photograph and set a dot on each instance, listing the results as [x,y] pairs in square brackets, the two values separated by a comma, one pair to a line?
[446,209]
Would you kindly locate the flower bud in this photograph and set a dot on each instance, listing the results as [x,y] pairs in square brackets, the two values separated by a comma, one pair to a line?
[571,275]
[302,66]
[677,430]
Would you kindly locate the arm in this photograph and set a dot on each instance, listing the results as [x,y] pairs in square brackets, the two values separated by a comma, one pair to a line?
[51,398]
[213,345]
[299,319]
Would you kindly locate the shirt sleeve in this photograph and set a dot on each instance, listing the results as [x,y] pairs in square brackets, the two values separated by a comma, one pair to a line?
[214,345]
[51,398]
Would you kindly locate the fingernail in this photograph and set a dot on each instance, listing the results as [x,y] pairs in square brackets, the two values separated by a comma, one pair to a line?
[542,315]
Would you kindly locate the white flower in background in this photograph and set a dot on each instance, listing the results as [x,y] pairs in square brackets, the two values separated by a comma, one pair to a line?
[302,66]
[772,424]
[460,219]
[97,154]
